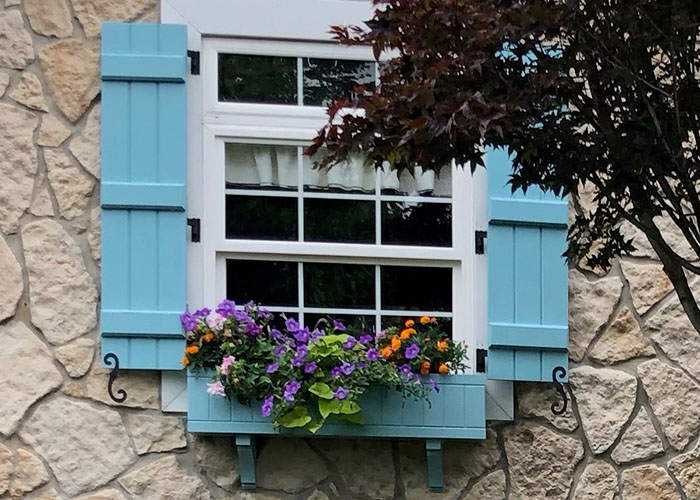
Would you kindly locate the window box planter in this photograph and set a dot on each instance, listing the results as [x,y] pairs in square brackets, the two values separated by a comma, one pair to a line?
[456,412]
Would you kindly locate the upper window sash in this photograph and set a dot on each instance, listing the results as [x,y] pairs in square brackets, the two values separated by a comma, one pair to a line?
[212,47]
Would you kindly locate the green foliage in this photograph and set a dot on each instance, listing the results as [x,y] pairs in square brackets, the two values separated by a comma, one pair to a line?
[301,377]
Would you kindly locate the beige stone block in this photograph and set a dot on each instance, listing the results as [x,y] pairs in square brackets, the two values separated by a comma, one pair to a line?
[605,400]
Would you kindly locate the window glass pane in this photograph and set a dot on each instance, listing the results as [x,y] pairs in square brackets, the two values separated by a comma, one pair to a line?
[424,224]
[356,325]
[266,282]
[339,285]
[261,165]
[348,177]
[342,221]
[261,218]
[420,183]
[416,288]
[257,79]
[444,323]
[328,79]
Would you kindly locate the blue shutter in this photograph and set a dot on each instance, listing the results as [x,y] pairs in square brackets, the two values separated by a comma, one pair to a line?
[528,278]
[143,193]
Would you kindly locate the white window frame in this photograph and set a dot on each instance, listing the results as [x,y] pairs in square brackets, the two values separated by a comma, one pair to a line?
[277,22]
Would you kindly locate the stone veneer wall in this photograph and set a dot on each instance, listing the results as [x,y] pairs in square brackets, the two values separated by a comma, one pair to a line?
[632,433]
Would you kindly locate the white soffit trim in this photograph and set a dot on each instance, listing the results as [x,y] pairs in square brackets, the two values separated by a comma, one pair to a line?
[283,19]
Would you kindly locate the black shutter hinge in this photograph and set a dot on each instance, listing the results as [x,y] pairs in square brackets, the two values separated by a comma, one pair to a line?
[480,242]
[481,360]
[196,226]
[194,61]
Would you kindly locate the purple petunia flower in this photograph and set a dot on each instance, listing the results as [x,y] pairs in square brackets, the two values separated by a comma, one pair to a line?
[372,354]
[189,321]
[280,349]
[339,326]
[267,406]
[276,334]
[347,368]
[216,389]
[297,361]
[335,372]
[273,367]
[366,339]
[265,313]
[253,329]
[226,308]
[350,343]
[317,334]
[310,367]
[202,313]
[303,335]
[412,351]
[405,369]
[341,393]
[434,385]
[249,306]
[360,365]
[241,316]
[291,325]
[290,389]
[302,351]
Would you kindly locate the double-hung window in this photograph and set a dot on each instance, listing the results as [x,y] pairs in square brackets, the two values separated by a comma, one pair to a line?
[352,243]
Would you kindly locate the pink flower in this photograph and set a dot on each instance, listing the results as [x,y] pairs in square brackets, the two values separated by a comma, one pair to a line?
[215,321]
[226,364]
[216,389]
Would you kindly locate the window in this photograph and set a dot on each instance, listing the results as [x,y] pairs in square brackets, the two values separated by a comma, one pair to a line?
[351,243]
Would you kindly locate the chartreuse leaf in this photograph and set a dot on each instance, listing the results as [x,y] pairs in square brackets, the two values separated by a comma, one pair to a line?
[328,406]
[321,390]
[313,427]
[334,339]
[349,408]
[298,417]
[355,418]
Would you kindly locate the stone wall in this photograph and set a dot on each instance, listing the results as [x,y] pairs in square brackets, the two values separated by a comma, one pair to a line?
[632,432]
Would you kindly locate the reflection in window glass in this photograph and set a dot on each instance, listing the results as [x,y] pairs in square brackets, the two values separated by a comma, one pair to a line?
[339,285]
[424,224]
[261,218]
[257,79]
[416,288]
[328,79]
[250,166]
[341,221]
[267,282]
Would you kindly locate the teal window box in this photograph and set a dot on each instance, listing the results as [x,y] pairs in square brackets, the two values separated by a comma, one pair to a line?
[456,412]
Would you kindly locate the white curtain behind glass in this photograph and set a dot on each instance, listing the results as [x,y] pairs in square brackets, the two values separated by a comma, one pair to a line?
[268,166]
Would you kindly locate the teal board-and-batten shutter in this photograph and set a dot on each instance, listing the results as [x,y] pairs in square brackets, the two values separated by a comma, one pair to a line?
[528,278]
[143,193]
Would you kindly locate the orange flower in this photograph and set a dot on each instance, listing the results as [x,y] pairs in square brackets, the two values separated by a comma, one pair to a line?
[425,367]
[409,323]
[395,343]
[386,352]
[185,361]
[405,335]
[208,337]
[443,368]
[192,349]
[424,320]
[433,320]
[442,345]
